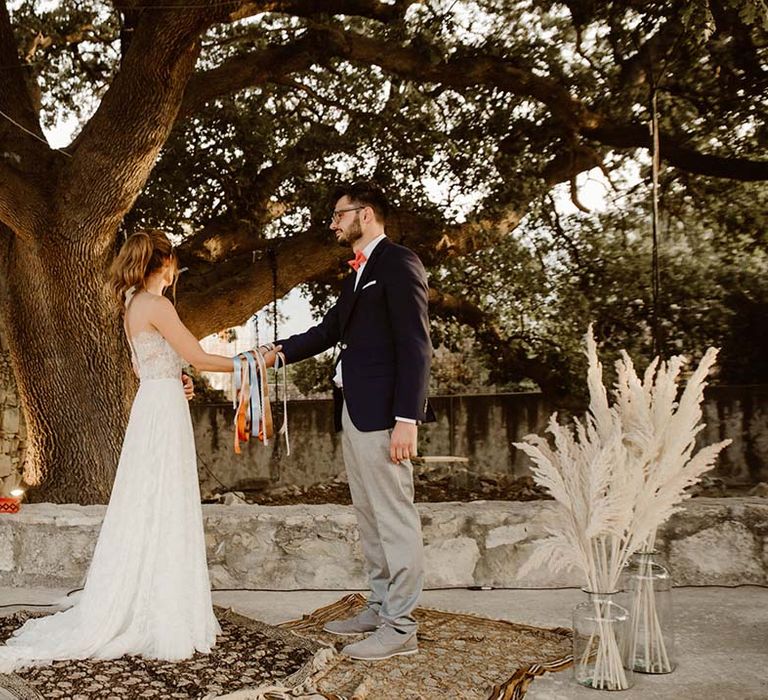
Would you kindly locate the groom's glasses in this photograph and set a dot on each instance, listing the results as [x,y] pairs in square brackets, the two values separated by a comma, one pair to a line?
[336,216]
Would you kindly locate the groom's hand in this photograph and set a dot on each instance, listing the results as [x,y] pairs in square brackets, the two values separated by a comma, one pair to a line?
[269,354]
[402,444]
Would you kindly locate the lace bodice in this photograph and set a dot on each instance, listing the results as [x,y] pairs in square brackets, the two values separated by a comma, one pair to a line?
[154,357]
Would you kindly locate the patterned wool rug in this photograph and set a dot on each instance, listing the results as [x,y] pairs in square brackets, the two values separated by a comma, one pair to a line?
[248,653]
[461,657]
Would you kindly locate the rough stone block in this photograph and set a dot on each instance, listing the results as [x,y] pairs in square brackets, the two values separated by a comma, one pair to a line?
[506,535]
[726,554]
[6,465]
[11,420]
[54,553]
[7,556]
[451,562]
[502,567]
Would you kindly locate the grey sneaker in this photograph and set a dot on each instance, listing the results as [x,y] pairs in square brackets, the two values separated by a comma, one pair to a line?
[382,644]
[366,621]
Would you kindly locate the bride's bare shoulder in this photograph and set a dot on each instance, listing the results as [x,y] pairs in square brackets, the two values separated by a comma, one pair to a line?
[151,302]
[160,304]
[146,307]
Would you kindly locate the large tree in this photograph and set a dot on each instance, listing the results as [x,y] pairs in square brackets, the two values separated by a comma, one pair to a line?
[227,123]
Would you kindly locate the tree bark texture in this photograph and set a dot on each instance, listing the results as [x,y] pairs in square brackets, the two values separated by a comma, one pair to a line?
[71,365]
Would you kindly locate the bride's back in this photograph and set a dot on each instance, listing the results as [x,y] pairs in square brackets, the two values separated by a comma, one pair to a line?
[154,358]
[138,312]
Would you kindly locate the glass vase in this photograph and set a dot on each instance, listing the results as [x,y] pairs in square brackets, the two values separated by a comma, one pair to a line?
[600,630]
[648,585]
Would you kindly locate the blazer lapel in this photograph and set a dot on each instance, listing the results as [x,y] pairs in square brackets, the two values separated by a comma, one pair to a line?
[353,294]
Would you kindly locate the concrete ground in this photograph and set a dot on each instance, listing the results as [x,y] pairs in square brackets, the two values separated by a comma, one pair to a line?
[721,644]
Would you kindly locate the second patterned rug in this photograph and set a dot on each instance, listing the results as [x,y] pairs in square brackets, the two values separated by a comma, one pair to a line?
[462,657]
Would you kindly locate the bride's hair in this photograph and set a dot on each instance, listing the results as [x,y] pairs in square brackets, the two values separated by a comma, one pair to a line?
[143,253]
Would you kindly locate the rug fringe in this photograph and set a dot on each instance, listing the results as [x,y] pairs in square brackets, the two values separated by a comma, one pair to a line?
[517,685]
[322,615]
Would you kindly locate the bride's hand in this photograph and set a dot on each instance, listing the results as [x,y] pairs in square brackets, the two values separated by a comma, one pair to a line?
[189,386]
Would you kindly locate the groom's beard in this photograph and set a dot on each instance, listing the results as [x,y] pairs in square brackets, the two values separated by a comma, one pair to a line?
[350,235]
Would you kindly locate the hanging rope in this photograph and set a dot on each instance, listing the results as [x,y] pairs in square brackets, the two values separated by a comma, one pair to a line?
[273,266]
[655,264]
[256,315]
[275,462]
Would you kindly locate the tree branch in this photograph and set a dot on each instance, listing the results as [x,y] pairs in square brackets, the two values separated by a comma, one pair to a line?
[252,69]
[84,32]
[373,9]
[217,295]
[510,357]
[118,148]
[225,294]
[240,232]
[683,157]
[322,44]
[646,64]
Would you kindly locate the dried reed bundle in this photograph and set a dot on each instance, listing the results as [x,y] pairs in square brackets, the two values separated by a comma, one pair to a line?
[622,471]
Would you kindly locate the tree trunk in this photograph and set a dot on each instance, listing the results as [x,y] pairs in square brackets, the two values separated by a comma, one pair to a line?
[71,363]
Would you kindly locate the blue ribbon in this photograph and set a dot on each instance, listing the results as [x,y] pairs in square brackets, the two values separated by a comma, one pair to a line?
[255,401]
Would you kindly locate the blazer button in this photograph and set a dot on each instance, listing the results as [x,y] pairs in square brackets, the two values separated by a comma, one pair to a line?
[343,346]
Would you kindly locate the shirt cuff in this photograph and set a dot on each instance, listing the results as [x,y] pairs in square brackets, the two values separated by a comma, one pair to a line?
[406,420]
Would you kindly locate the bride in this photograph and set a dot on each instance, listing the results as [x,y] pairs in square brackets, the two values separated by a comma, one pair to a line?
[147,591]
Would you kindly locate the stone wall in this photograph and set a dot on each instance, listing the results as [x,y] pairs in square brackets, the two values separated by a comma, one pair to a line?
[711,541]
[482,428]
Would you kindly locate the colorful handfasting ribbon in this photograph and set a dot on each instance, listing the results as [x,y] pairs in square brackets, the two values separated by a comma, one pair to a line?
[253,412]
[251,401]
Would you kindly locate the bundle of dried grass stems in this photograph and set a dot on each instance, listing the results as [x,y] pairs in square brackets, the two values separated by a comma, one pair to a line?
[617,475]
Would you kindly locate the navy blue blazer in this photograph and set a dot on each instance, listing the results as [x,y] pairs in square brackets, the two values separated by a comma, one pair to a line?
[382,330]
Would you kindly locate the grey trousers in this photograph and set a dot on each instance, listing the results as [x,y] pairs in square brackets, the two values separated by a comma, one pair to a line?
[389,524]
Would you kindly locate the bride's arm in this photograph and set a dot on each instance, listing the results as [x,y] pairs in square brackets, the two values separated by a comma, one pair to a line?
[163,316]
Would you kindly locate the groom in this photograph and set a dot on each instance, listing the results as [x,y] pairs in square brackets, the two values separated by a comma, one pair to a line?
[380,391]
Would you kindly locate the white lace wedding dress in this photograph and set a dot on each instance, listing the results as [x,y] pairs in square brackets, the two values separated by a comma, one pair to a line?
[147,591]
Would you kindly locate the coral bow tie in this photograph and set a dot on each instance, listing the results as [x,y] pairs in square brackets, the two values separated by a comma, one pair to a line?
[360,258]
